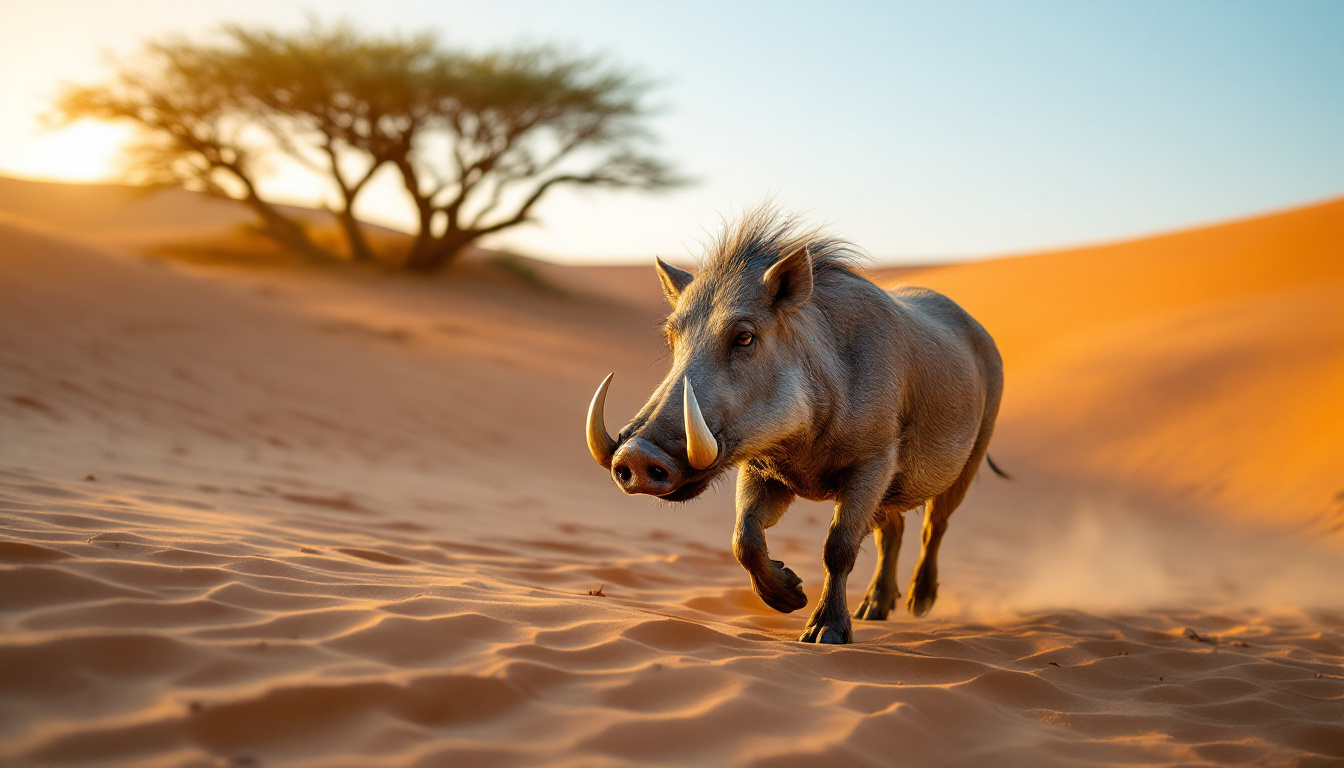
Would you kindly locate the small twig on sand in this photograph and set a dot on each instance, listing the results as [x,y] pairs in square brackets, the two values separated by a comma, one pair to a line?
[598,592]
[1193,635]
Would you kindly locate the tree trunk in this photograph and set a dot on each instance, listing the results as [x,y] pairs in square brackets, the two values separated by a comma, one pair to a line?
[419,250]
[439,253]
[354,237]
[283,230]
[417,256]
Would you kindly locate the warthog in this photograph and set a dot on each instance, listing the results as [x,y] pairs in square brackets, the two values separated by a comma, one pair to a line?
[814,382]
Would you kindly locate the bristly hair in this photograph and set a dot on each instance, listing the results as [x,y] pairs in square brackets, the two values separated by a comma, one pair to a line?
[765,234]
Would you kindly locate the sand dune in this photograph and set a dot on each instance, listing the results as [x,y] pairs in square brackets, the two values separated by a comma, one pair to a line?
[307,517]
[115,214]
[1204,365]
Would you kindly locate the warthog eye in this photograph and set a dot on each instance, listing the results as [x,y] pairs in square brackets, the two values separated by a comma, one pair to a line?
[745,339]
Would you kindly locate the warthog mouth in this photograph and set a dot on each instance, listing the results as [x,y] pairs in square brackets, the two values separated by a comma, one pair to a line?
[690,490]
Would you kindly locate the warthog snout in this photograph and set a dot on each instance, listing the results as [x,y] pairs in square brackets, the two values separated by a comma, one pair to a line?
[642,467]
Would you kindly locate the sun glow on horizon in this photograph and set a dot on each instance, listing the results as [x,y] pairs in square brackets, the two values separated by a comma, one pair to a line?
[85,152]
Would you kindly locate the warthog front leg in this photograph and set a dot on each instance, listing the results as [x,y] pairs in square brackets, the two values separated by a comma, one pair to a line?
[855,510]
[883,592]
[760,504]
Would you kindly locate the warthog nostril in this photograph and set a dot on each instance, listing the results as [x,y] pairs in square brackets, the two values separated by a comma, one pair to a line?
[639,466]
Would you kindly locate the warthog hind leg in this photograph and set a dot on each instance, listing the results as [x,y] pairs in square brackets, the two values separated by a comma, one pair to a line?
[855,510]
[924,584]
[883,592]
[760,504]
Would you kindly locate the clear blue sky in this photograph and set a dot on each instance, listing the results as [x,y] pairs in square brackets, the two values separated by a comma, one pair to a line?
[922,131]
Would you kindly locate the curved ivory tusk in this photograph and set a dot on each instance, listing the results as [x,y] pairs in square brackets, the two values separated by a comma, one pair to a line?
[701,447]
[600,443]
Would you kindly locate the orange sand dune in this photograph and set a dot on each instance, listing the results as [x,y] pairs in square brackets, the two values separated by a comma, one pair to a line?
[339,517]
[115,214]
[1205,365]
[171,221]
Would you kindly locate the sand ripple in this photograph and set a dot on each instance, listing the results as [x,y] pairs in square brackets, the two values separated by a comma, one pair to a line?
[158,634]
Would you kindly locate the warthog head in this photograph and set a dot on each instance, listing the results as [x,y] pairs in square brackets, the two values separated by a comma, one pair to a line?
[742,336]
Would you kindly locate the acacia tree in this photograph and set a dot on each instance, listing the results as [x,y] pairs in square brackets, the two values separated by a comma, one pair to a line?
[196,130]
[507,128]
[341,104]
[477,139]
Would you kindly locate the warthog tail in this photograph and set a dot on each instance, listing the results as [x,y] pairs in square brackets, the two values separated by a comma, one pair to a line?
[996,469]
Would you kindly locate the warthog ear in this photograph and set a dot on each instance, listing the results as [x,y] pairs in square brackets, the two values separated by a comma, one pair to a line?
[788,282]
[674,280]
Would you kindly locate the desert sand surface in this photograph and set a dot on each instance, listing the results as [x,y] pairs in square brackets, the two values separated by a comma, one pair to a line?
[303,516]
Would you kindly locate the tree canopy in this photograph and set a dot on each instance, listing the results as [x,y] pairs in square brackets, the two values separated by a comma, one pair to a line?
[477,139]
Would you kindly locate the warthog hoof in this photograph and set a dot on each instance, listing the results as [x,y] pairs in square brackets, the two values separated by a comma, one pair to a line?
[922,597]
[780,588]
[876,605]
[827,633]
